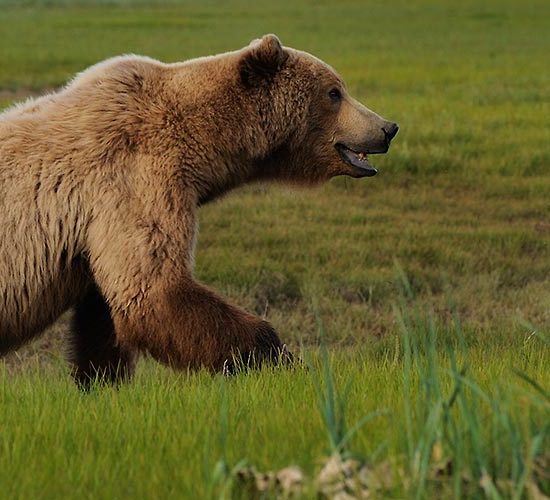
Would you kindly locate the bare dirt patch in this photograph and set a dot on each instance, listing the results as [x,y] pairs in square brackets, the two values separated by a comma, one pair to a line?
[45,350]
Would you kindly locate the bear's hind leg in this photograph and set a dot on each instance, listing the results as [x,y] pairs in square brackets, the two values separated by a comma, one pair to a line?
[95,353]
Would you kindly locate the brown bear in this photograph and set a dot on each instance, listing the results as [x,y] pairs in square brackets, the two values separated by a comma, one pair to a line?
[100,184]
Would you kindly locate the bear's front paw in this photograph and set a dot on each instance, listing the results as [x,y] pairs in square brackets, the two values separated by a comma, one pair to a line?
[267,349]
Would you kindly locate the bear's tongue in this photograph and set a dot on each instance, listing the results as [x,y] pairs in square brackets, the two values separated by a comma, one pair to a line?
[358,160]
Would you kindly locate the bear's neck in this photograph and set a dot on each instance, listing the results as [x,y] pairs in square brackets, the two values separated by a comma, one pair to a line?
[219,177]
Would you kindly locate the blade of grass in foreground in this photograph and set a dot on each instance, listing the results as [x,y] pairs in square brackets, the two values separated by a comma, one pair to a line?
[487,448]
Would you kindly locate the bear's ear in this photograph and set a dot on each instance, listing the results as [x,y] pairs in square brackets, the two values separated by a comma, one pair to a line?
[261,60]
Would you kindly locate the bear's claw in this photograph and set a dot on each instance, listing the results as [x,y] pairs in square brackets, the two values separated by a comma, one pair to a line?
[267,350]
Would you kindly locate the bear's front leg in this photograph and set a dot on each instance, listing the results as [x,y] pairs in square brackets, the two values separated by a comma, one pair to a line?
[142,264]
[190,326]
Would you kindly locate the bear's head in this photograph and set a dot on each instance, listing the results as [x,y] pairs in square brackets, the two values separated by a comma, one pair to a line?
[313,129]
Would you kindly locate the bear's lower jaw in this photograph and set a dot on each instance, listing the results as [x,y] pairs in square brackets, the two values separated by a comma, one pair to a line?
[359,161]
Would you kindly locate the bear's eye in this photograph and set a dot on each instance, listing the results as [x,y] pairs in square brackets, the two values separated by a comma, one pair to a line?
[335,94]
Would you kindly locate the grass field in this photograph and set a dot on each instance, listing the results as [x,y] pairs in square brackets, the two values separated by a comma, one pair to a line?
[461,205]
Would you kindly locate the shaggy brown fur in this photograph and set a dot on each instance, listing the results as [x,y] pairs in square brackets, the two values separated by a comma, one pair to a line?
[101,181]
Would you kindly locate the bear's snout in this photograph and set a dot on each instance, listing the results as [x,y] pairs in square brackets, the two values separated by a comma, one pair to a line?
[390,131]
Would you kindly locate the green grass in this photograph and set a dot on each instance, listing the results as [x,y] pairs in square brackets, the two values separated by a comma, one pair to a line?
[461,203]
[162,436]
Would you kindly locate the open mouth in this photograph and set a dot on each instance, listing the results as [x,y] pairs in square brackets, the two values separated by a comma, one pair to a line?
[358,160]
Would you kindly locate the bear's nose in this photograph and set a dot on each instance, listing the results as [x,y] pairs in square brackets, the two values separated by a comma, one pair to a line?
[390,131]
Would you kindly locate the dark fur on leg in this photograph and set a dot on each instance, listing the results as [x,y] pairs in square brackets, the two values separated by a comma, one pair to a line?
[267,351]
[95,352]
[191,327]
